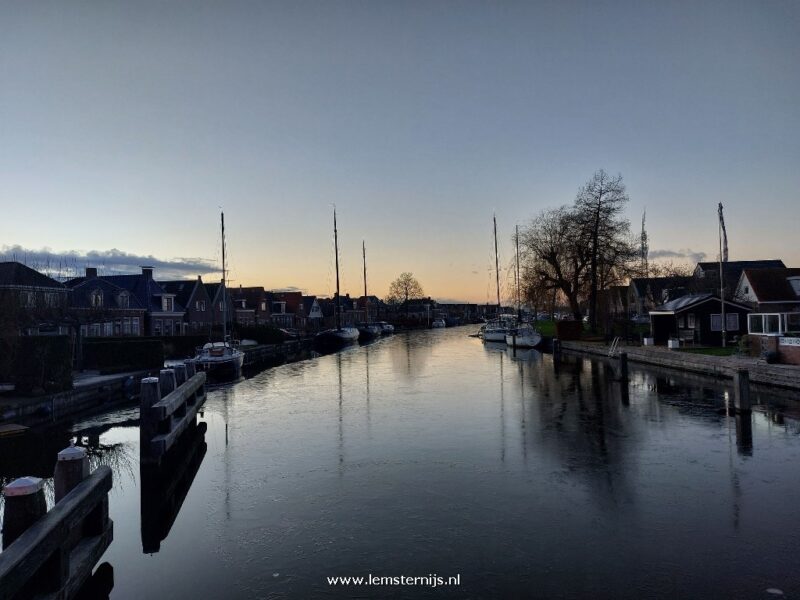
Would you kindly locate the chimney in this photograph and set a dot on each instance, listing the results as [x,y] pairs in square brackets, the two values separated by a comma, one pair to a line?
[91,272]
[147,272]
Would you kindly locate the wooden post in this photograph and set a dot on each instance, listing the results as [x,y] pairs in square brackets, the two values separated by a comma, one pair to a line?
[149,395]
[166,380]
[623,366]
[741,391]
[556,349]
[180,375]
[191,371]
[25,504]
[72,467]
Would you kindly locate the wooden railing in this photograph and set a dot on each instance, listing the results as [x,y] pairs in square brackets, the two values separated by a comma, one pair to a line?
[168,405]
[52,554]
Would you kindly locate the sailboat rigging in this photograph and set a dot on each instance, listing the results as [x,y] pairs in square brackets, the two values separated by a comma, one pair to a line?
[222,361]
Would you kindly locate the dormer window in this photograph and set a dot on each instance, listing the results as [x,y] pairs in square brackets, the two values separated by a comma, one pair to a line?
[795,283]
[124,300]
[263,307]
[167,304]
[96,299]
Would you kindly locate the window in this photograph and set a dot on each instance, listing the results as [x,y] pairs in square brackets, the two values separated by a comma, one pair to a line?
[221,307]
[157,327]
[792,322]
[135,325]
[716,322]
[167,303]
[772,323]
[117,327]
[795,283]
[27,299]
[746,289]
[243,303]
[200,305]
[732,321]
[263,307]
[108,329]
[94,330]
[167,327]
[126,326]
[755,323]
[96,299]
[123,300]
[690,321]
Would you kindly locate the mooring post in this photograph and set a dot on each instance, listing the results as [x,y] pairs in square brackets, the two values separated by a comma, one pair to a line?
[166,380]
[25,504]
[191,371]
[623,366]
[72,467]
[556,349]
[149,395]
[180,375]
[741,390]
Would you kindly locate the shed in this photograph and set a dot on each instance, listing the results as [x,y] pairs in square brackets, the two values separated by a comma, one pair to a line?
[697,318]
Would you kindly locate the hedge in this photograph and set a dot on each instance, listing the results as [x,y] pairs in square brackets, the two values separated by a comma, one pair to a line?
[121,354]
[42,364]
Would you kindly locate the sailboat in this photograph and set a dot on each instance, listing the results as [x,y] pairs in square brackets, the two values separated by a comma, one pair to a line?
[496,329]
[222,361]
[525,334]
[367,331]
[339,336]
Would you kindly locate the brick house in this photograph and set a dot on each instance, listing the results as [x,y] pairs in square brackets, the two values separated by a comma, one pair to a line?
[251,305]
[104,309]
[163,313]
[193,296]
[770,290]
[30,302]
[221,304]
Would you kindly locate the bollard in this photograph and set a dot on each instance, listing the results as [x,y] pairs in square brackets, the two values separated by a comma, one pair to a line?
[166,380]
[556,349]
[149,395]
[25,504]
[623,366]
[191,368]
[741,390]
[180,375]
[72,467]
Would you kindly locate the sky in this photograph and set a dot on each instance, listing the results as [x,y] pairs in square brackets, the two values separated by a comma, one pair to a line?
[126,126]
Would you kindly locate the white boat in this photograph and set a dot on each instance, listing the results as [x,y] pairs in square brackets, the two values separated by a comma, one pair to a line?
[438,323]
[386,328]
[496,329]
[524,336]
[222,361]
[340,335]
[367,331]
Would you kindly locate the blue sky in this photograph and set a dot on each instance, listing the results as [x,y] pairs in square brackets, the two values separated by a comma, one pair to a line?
[127,125]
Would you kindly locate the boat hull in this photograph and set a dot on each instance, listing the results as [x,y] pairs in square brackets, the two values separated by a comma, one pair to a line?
[494,336]
[221,370]
[526,340]
[336,338]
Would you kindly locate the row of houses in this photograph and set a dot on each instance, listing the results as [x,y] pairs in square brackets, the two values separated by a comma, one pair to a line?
[139,304]
[762,298]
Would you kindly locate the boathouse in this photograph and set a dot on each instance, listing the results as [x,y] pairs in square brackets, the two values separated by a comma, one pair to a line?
[697,319]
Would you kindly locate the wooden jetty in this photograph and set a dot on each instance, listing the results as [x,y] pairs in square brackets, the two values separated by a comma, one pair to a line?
[168,406]
[52,554]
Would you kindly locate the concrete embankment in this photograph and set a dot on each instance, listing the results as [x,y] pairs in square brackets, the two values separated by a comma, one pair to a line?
[787,376]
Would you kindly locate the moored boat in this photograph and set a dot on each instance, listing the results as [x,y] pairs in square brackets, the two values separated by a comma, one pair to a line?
[438,324]
[386,328]
[368,331]
[524,336]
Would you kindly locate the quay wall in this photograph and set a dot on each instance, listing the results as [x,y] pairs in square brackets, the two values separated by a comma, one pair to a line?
[103,393]
[787,376]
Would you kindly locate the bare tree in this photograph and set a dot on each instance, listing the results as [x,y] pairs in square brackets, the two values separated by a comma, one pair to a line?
[554,257]
[404,288]
[598,209]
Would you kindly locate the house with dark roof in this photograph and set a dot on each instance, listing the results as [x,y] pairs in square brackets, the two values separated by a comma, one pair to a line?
[250,305]
[770,290]
[193,296]
[313,313]
[31,302]
[221,304]
[104,309]
[697,319]
[645,293]
[163,313]
[706,274]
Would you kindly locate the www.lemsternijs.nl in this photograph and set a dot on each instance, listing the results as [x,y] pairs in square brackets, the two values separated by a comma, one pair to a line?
[431,580]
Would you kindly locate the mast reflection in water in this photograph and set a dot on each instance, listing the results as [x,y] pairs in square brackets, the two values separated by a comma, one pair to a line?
[430,453]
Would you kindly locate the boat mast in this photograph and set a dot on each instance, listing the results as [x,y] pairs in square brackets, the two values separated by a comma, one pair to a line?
[519,306]
[496,264]
[224,299]
[336,307]
[366,298]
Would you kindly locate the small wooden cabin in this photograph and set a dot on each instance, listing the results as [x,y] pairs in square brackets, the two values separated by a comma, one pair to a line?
[697,319]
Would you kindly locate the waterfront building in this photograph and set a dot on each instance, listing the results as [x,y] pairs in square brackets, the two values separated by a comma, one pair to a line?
[770,290]
[697,319]
[645,293]
[313,313]
[31,303]
[221,305]
[706,274]
[193,296]
[102,308]
[251,306]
